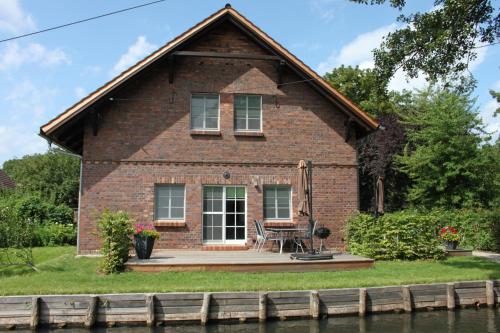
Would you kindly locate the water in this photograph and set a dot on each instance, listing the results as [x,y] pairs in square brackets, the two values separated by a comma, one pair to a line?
[460,321]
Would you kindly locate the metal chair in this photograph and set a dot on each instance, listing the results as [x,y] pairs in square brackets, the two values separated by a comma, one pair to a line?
[299,239]
[263,235]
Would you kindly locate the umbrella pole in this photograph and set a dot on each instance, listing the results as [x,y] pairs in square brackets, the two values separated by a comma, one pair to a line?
[310,203]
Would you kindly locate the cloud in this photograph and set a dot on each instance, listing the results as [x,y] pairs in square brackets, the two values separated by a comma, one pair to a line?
[140,49]
[27,101]
[17,141]
[14,56]
[13,19]
[326,9]
[80,92]
[358,51]
[492,123]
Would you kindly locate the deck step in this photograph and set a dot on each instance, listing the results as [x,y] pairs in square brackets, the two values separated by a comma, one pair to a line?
[224,248]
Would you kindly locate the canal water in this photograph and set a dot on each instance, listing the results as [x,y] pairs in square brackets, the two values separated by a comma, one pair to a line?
[460,321]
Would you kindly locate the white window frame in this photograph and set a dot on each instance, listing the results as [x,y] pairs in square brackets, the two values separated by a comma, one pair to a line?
[204,110]
[289,187]
[234,114]
[169,204]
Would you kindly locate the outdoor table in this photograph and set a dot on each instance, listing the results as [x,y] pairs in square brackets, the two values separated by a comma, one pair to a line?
[285,234]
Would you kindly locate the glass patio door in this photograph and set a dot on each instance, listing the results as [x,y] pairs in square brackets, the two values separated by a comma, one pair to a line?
[224,214]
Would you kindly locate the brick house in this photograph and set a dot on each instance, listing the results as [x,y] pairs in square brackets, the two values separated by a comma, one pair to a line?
[205,134]
[6,183]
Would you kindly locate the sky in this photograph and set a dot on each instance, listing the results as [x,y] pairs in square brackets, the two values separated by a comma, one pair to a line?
[42,75]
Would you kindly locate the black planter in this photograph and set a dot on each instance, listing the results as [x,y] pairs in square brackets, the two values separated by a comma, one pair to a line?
[143,246]
[450,245]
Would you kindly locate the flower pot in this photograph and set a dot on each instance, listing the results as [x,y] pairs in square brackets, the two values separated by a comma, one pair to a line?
[450,245]
[143,246]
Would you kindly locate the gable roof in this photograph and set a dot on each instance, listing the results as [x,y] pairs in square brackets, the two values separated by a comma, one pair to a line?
[359,116]
[6,181]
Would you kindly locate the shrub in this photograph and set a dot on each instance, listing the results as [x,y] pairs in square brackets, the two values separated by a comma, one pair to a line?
[115,230]
[403,235]
[54,234]
[412,234]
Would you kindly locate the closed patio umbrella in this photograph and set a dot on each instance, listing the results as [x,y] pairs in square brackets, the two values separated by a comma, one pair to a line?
[379,195]
[303,190]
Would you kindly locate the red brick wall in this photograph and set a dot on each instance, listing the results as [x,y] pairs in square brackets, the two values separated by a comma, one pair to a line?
[144,139]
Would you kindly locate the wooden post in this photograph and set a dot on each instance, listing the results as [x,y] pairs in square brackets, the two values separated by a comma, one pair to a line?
[490,294]
[262,306]
[91,312]
[204,308]
[314,304]
[35,312]
[362,302]
[150,310]
[450,296]
[406,298]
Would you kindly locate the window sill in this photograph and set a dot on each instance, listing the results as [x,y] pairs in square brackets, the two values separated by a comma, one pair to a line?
[205,132]
[176,224]
[256,134]
[279,224]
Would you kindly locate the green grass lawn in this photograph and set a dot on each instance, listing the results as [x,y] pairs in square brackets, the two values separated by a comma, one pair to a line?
[62,273]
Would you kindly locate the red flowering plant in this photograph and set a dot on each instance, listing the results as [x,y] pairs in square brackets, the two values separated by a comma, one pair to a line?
[146,230]
[449,234]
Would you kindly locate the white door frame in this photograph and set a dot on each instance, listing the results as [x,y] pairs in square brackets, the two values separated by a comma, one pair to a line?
[224,240]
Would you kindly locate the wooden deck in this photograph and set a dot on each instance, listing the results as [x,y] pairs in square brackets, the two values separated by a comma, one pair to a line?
[242,261]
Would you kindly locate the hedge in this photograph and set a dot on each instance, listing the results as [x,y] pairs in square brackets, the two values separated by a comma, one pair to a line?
[412,234]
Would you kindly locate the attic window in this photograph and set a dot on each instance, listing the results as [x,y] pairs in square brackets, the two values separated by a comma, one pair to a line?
[248,113]
[205,112]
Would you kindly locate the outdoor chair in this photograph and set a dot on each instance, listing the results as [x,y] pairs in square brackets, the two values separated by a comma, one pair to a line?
[300,238]
[264,235]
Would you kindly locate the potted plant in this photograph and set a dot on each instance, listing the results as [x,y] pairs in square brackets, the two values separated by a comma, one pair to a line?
[144,239]
[450,237]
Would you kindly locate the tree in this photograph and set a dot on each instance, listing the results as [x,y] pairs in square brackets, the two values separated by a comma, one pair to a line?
[496,95]
[441,42]
[54,176]
[443,157]
[376,150]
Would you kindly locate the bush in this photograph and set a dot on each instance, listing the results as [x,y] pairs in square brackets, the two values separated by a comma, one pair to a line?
[412,234]
[54,234]
[404,235]
[479,229]
[16,238]
[115,230]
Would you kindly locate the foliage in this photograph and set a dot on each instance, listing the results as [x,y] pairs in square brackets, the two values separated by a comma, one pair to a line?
[62,273]
[441,42]
[16,238]
[53,176]
[146,230]
[496,96]
[37,210]
[449,234]
[479,228]
[54,234]
[376,151]
[404,235]
[443,159]
[115,231]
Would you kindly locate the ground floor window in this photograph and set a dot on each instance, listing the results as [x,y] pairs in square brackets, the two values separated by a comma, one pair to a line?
[277,202]
[169,202]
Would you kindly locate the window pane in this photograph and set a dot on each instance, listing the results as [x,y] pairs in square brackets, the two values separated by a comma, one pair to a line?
[197,102]
[240,192]
[240,233]
[254,124]
[269,213]
[162,213]
[217,233]
[241,124]
[254,101]
[240,206]
[240,220]
[254,113]
[196,121]
[240,102]
[230,206]
[178,202]
[283,213]
[217,220]
[230,233]
[217,205]
[240,113]
[177,213]
[230,219]
[211,123]
[283,192]
[230,192]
